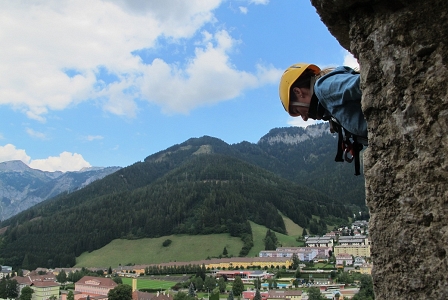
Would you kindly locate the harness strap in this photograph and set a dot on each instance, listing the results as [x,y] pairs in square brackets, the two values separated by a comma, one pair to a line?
[340,149]
[347,151]
[357,147]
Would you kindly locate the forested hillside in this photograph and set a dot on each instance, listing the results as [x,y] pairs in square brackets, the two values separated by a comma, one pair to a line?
[201,186]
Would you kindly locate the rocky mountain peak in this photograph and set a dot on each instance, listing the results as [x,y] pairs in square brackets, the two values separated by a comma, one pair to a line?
[14,165]
[295,135]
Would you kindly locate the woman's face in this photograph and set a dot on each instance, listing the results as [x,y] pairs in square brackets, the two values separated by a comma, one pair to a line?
[303,97]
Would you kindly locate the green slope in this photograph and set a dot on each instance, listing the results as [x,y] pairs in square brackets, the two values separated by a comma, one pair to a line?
[182,248]
[148,251]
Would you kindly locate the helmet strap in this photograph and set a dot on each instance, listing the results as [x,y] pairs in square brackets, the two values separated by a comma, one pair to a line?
[300,104]
[312,81]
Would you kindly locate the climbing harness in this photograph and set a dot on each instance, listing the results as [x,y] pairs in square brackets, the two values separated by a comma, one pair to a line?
[349,145]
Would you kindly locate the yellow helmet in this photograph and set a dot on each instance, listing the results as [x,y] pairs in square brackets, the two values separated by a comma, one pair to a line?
[289,77]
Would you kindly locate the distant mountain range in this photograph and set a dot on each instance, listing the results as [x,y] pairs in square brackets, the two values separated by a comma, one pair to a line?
[201,186]
[22,187]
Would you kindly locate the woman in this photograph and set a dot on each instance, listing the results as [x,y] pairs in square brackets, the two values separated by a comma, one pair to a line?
[307,91]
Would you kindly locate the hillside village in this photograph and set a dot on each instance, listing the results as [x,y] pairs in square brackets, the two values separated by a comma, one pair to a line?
[284,273]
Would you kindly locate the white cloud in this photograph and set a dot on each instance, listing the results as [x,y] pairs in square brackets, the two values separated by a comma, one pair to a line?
[66,161]
[243,9]
[94,137]
[263,2]
[9,152]
[53,50]
[208,78]
[36,134]
[350,61]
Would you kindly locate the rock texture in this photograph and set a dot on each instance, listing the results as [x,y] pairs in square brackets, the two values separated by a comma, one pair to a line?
[402,50]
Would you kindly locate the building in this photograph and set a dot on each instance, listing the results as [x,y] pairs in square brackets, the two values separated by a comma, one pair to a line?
[92,287]
[274,295]
[249,295]
[5,272]
[324,241]
[285,294]
[246,276]
[366,269]
[353,240]
[43,290]
[355,250]
[302,253]
[359,261]
[344,259]
[44,286]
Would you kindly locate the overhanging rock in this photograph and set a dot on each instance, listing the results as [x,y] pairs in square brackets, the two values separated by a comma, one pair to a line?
[402,51]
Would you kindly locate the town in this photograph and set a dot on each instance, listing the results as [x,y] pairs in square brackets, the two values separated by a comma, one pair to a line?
[330,266]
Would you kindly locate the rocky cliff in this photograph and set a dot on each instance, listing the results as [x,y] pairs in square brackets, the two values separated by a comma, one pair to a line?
[402,50]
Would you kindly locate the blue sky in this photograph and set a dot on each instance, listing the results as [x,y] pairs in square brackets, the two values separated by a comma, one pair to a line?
[110,82]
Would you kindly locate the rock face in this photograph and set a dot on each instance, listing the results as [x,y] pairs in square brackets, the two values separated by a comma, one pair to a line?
[402,50]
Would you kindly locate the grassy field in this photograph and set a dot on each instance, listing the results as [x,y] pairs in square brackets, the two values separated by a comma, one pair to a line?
[292,228]
[259,232]
[150,284]
[147,251]
[182,248]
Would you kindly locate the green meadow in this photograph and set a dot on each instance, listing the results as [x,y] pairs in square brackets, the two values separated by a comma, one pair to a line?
[149,251]
[182,248]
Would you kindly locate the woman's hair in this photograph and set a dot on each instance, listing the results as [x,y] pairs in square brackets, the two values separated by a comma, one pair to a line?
[324,72]
[304,80]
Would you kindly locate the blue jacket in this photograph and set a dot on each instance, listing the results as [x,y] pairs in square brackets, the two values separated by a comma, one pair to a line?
[339,93]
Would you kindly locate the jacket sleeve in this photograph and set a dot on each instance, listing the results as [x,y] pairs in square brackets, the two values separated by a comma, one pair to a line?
[339,92]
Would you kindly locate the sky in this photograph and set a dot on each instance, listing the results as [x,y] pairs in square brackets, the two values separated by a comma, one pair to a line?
[109,82]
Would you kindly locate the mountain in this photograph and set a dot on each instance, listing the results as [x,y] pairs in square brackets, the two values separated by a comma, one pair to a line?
[201,186]
[21,187]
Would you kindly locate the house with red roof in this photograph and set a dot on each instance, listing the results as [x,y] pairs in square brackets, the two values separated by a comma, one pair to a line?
[93,288]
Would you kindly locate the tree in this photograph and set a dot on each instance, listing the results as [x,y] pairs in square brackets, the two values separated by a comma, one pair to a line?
[257,295]
[199,283]
[224,252]
[295,261]
[270,240]
[222,284]
[365,289]
[210,283]
[270,284]
[70,295]
[109,271]
[345,277]
[238,286]
[182,296]
[61,277]
[12,288]
[315,294]
[120,292]
[230,296]
[117,280]
[257,283]
[191,291]
[304,232]
[27,294]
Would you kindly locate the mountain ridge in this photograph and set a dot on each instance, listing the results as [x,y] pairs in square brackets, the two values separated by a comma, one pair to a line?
[201,186]
[22,187]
